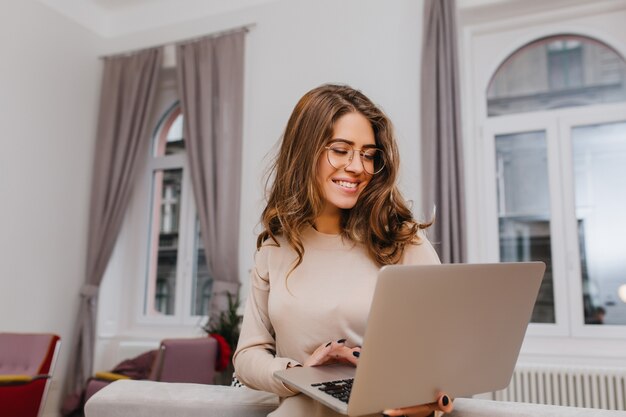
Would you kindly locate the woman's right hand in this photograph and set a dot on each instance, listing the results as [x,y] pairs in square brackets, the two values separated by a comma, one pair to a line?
[333,352]
[443,404]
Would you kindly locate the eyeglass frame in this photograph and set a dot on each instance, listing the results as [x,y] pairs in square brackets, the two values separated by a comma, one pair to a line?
[352,150]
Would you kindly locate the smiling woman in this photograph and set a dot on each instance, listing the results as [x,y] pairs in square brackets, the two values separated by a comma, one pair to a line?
[334,216]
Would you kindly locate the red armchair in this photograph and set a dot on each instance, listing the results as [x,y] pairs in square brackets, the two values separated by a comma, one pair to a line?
[186,360]
[177,360]
[26,365]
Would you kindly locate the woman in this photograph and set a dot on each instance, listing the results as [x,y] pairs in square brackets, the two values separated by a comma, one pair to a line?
[334,216]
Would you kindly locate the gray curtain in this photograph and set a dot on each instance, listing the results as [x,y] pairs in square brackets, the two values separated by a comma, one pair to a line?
[129,85]
[442,151]
[210,82]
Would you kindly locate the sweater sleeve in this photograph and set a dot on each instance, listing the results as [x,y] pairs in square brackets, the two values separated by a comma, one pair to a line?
[421,253]
[254,359]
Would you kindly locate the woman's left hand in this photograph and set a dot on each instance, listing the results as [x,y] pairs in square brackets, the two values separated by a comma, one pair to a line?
[333,352]
[442,405]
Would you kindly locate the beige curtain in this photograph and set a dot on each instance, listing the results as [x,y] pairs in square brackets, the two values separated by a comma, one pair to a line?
[210,82]
[129,85]
[442,150]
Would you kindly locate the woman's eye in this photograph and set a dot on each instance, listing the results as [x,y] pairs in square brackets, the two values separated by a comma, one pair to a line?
[340,151]
[369,156]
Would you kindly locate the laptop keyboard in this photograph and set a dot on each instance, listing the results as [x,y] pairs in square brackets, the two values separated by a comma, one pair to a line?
[339,389]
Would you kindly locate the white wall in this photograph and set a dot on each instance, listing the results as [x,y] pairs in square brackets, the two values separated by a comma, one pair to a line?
[292,46]
[49,81]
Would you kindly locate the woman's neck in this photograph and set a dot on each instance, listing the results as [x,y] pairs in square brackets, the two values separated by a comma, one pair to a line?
[327,223]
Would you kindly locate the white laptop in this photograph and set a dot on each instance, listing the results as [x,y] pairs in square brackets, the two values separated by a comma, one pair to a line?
[454,328]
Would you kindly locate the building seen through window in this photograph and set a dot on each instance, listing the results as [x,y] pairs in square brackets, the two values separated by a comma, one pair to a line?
[557,72]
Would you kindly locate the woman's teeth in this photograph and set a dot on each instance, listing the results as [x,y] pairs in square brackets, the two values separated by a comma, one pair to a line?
[346,184]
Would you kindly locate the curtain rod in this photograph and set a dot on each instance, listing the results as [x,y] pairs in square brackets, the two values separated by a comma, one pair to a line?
[245,28]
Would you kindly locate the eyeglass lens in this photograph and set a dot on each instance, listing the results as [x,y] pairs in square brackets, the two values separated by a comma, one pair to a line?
[340,155]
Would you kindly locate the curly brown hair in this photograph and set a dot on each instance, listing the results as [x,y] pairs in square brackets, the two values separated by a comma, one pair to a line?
[381,219]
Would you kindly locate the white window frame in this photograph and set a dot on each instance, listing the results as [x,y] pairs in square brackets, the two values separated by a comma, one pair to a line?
[187,229]
[490,238]
[569,340]
[598,114]
[565,255]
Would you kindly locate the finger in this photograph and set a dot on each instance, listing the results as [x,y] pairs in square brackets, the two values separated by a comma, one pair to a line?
[318,356]
[345,354]
[445,403]
[421,410]
[331,344]
[353,355]
[330,352]
[334,354]
[320,352]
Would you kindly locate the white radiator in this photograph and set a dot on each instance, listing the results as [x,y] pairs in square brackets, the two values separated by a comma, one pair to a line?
[603,388]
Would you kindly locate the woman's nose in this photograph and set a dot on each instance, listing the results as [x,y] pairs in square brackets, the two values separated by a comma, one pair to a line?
[355,164]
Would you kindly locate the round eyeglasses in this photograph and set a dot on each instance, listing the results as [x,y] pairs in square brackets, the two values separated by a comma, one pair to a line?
[340,155]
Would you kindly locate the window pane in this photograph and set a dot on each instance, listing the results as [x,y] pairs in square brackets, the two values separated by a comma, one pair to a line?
[174,142]
[524,209]
[167,186]
[556,72]
[600,174]
[169,139]
[202,281]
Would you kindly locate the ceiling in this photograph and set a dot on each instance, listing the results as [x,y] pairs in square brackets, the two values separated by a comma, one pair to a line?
[120,4]
[111,18]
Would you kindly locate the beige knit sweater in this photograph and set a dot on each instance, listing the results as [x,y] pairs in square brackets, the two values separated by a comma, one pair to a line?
[327,297]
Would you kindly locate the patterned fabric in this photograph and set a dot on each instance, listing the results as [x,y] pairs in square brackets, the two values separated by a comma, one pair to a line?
[236,383]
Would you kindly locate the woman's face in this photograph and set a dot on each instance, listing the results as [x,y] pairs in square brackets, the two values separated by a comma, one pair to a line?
[342,185]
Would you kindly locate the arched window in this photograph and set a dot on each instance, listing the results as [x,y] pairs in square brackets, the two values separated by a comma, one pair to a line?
[557,72]
[177,269]
[556,132]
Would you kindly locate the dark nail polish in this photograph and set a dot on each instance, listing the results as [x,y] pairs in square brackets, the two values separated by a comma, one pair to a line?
[445,400]
[341,341]
[328,344]
[356,353]
[385,415]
